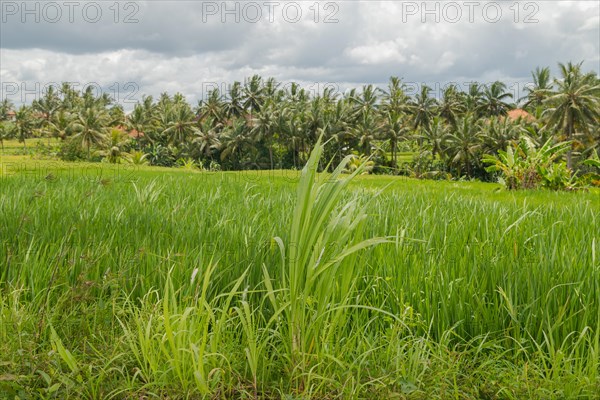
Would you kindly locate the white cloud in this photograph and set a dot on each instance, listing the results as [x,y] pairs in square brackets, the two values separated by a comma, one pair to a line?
[175,47]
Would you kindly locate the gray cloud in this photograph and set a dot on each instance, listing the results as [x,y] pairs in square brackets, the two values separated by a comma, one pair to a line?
[184,45]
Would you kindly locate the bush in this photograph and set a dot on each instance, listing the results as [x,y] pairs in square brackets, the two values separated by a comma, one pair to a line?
[71,150]
[524,166]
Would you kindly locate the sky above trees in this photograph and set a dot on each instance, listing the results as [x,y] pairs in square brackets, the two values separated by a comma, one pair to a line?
[133,48]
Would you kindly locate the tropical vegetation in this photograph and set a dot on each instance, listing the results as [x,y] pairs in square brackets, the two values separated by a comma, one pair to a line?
[263,124]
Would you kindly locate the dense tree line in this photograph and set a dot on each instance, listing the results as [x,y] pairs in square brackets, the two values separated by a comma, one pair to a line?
[263,124]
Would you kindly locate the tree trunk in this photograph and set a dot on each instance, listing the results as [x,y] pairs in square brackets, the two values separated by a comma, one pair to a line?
[395,153]
[294,151]
[569,134]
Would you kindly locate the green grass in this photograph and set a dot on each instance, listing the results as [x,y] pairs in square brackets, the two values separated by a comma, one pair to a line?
[121,282]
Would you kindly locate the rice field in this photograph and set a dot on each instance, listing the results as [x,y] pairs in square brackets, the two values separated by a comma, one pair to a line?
[144,282]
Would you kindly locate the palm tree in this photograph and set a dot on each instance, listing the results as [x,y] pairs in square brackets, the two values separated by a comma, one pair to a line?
[116,140]
[422,108]
[5,107]
[462,144]
[473,98]
[182,125]
[234,107]
[498,134]
[60,126]
[271,90]
[89,99]
[365,131]
[91,127]
[291,126]
[253,94]
[24,124]
[394,129]
[265,127]
[337,127]
[139,121]
[365,103]
[70,97]
[540,90]
[212,107]
[47,106]
[493,102]
[235,139]
[117,115]
[435,135]
[207,137]
[313,122]
[395,99]
[451,106]
[148,104]
[4,133]
[574,104]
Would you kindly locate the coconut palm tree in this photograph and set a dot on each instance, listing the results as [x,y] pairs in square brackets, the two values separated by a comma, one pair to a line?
[5,107]
[423,108]
[207,137]
[366,132]
[574,104]
[91,127]
[212,107]
[116,140]
[253,95]
[493,101]
[313,122]
[265,127]
[4,133]
[47,106]
[181,126]
[473,98]
[394,129]
[292,128]
[539,90]
[463,144]
[235,104]
[24,124]
[60,126]
[435,136]
[365,103]
[234,141]
[271,90]
[395,99]
[337,128]
[89,98]
[498,133]
[140,121]
[70,97]
[451,105]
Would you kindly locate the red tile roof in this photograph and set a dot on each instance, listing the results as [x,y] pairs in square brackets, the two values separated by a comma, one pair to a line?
[519,113]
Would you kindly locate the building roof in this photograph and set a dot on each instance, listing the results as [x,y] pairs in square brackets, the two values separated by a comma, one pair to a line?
[519,113]
[132,133]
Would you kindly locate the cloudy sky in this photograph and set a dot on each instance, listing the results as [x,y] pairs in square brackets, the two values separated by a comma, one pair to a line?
[131,48]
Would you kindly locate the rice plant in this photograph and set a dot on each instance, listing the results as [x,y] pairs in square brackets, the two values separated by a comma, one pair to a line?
[330,285]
